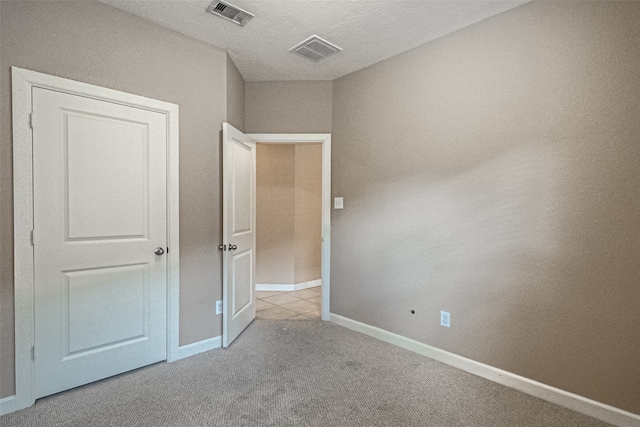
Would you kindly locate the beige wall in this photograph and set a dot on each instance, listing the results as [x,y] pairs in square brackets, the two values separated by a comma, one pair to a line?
[94,43]
[494,173]
[275,213]
[288,213]
[288,107]
[308,218]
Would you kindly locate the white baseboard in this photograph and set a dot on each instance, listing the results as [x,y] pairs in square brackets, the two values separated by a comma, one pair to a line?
[560,397]
[7,405]
[199,347]
[287,288]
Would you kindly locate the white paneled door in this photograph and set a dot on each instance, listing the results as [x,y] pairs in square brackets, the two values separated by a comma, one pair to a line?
[238,232]
[100,233]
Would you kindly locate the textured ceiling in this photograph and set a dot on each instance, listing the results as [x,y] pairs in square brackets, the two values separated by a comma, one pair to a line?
[368,31]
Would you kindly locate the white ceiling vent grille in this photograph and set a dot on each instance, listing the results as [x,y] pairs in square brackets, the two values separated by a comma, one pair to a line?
[230,12]
[315,49]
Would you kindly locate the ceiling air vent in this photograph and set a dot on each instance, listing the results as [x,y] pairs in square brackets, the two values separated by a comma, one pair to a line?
[315,49]
[230,12]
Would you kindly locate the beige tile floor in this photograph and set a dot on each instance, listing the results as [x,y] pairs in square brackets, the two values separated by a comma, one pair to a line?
[295,305]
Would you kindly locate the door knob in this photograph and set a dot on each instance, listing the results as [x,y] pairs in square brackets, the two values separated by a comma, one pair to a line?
[232,247]
[158,251]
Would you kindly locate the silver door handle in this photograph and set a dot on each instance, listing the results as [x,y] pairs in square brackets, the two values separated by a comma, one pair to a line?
[232,247]
[158,251]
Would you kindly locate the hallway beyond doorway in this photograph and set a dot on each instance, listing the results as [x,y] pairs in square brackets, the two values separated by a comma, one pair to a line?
[295,305]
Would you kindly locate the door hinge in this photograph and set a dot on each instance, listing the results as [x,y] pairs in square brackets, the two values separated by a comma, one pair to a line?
[31,120]
[33,352]
[33,237]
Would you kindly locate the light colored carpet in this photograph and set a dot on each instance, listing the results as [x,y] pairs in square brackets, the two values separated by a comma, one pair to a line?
[297,373]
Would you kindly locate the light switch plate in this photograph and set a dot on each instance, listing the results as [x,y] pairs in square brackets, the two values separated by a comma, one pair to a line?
[218,307]
[338,203]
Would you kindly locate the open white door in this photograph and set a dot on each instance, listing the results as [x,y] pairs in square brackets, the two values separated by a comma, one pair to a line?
[238,232]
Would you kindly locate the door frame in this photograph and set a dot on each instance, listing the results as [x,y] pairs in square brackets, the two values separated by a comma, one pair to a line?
[23,81]
[325,140]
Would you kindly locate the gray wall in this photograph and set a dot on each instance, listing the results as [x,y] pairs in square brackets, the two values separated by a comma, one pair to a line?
[235,96]
[94,43]
[288,107]
[494,173]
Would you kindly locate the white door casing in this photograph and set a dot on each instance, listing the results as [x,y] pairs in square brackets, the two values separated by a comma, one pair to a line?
[99,213]
[238,232]
[24,85]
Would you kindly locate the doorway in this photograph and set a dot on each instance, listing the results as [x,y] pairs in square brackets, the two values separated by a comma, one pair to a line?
[288,231]
[325,141]
[238,224]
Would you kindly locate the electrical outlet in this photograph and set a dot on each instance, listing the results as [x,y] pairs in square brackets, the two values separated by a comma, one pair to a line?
[338,203]
[218,307]
[445,319]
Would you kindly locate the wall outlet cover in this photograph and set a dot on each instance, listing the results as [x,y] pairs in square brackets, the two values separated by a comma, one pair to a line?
[445,319]
[218,307]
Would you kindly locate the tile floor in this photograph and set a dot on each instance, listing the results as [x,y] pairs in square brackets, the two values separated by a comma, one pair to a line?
[296,305]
